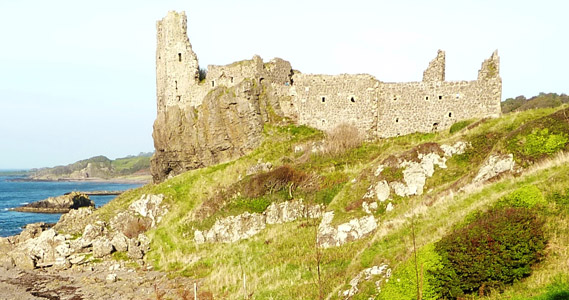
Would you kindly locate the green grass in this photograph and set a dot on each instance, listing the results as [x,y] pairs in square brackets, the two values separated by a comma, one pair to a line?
[280,262]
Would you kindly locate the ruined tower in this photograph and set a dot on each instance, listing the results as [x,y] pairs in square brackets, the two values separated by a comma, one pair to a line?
[177,68]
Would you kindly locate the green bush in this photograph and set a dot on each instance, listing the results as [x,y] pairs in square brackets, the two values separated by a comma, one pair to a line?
[403,281]
[496,249]
[542,142]
[459,126]
[527,196]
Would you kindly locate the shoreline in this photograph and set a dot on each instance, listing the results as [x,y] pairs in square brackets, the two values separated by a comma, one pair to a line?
[95,180]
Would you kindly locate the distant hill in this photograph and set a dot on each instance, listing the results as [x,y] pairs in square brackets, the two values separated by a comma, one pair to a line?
[99,168]
[543,100]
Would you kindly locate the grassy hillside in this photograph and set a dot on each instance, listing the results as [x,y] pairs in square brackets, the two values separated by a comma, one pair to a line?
[284,262]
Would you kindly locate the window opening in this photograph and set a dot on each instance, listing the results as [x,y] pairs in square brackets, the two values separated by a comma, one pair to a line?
[212,83]
[323,99]
[440,97]
[179,98]
[396,120]
[176,83]
[179,56]
[231,79]
[426,97]
[394,97]
[449,114]
[352,99]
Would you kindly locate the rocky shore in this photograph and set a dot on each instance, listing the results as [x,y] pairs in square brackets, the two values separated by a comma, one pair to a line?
[84,257]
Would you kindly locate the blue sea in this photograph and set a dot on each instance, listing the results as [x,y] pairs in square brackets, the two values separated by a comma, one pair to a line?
[17,193]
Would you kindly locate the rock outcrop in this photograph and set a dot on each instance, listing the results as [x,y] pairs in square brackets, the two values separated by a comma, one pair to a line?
[494,166]
[246,225]
[333,236]
[227,125]
[60,204]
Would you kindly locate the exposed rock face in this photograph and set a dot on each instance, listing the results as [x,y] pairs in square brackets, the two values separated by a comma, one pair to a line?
[227,125]
[494,166]
[235,228]
[140,216]
[379,273]
[329,236]
[60,204]
[74,221]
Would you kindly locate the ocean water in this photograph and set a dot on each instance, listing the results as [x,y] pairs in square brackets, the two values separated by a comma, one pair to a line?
[17,193]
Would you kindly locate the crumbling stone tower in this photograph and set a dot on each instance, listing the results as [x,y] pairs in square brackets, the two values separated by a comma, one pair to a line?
[177,69]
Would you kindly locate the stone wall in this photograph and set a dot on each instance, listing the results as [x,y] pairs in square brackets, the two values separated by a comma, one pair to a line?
[325,101]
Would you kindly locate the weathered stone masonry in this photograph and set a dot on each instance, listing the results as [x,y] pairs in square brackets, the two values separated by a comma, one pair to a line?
[219,118]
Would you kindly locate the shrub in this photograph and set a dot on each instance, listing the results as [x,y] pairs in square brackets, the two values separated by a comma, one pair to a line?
[542,142]
[526,196]
[497,248]
[403,282]
[273,181]
[459,126]
[342,138]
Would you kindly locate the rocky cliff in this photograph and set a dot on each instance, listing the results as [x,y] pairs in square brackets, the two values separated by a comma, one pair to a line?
[227,125]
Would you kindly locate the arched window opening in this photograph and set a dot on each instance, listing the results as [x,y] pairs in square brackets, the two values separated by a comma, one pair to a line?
[352,99]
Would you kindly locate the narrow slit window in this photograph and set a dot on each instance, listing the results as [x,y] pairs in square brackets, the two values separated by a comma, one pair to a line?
[450,115]
[323,99]
[176,83]
[179,56]
[212,83]
[396,120]
[179,98]
[440,97]
[427,98]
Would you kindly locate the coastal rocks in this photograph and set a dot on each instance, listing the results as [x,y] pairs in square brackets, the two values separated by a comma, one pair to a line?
[140,216]
[329,236]
[234,228]
[75,220]
[60,204]
[102,247]
[379,273]
[494,166]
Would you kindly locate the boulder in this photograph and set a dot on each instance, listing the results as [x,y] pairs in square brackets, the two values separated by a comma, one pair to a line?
[91,232]
[60,204]
[23,260]
[6,261]
[120,242]
[102,247]
[75,220]
[134,249]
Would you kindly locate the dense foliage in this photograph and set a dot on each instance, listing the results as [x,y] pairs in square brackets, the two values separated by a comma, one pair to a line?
[497,248]
[542,100]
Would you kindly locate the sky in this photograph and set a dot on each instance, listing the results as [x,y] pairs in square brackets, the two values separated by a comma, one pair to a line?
[77,78]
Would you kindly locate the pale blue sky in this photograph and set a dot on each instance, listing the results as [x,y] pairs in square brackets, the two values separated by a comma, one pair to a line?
[77,77]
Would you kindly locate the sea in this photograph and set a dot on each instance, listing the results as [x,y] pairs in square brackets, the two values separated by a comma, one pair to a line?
[14,192]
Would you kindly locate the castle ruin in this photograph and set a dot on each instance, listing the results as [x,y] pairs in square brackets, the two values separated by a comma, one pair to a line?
[221,116]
